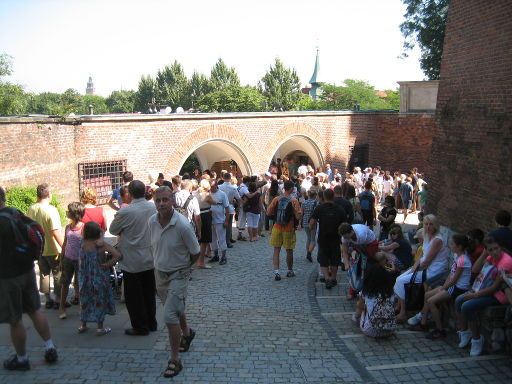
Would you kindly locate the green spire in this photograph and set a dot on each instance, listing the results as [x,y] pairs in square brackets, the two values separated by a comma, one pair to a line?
[315,72]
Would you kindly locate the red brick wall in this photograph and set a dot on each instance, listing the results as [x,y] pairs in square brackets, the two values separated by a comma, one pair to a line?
[47,150]
[471,155]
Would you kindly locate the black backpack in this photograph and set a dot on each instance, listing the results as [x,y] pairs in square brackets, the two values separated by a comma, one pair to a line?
[28,235]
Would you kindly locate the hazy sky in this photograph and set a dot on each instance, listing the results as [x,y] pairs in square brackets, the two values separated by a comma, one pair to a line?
[57,44]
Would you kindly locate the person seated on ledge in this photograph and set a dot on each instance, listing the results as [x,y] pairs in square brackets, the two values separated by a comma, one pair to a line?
[399,251]
[485,292]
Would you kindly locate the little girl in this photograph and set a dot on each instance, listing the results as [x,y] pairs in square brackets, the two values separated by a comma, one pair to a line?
[96,298]
[375,311]
[457,283]
[70,251]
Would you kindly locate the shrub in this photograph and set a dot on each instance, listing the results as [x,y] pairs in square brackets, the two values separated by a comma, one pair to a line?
[23,197]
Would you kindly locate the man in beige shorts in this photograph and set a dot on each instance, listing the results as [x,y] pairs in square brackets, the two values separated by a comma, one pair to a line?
[175,248]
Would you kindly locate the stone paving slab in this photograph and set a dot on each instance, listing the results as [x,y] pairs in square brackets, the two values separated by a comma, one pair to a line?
[252,329]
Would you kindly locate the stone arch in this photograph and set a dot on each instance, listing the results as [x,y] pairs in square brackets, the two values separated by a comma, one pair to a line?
[304,137]
[217,137]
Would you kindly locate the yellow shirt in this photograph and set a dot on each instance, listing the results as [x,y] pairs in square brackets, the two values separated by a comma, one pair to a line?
[48,217]
[418,253]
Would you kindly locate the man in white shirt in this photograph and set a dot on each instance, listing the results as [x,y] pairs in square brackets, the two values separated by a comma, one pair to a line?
[302,170]
[231,192]
[175,249]
[130,223]
[220,220]
[187,204]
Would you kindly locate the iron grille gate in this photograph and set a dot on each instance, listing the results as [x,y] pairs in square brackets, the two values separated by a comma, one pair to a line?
[102,176]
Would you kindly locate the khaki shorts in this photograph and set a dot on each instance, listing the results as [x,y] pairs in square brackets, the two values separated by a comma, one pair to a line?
[18,295]
[171,288]
[280,238]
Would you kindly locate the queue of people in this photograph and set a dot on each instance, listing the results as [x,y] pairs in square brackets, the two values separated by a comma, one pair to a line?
[166,228]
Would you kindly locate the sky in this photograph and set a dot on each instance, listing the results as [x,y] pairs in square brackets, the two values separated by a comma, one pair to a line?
[58,44]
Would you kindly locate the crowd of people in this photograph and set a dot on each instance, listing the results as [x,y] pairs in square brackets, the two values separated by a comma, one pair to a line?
[165,228]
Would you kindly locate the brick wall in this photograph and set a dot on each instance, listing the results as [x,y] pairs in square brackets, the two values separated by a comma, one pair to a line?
[37,150]
[472,151]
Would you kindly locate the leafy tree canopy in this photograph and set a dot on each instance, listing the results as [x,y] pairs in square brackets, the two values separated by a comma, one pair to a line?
[232,99]
[5,64]
[223,77]
[281,87]
[425,23]
[173,87]
[121,101]
[145,94]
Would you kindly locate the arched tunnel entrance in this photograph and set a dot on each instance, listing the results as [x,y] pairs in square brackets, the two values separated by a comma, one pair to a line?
[295,151]
[217,155]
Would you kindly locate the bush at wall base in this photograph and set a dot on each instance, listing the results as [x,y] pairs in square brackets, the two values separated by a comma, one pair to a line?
[22,197]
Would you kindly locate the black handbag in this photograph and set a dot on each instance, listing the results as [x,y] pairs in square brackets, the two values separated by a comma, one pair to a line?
[415,292]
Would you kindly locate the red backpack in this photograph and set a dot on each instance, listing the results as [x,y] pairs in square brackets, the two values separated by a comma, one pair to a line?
[28,235]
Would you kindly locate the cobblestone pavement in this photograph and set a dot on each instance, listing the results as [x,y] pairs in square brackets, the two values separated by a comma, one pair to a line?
[252,329]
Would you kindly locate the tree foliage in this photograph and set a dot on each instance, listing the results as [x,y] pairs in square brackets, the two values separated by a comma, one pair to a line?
[145,94]
[199,86]
[13,101]
[121,101]
[425,23]
[173,87]
[222,77]
[281,87]
[232,99]
[5,64]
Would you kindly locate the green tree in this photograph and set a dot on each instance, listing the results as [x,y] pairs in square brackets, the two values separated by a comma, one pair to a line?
[47,103]
[173,87]
[71,102]
[232,99]
[281,87]
[425,23]
[121,101]
[392,99]
[222,77]
[98,103]
[199,86]
[353,92]
[145,94]
[13,100]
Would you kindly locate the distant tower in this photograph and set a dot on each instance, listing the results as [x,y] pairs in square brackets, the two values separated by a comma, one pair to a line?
[90,87]
[314,91]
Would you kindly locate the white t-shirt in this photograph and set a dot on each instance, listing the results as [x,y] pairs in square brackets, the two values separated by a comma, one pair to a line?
[181,197]
[231,192]
[463,261]
[440,263]
[302,170]
[219,208]
[364,235]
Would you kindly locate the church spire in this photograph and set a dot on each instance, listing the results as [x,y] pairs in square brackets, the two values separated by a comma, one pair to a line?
[90,87]
[313,92]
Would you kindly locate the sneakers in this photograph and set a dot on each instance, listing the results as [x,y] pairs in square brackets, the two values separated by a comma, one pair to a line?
[277,277]
[51,355]
[13,364]
[328,284]
[290,274]
[334,283]
[214,259]
[464,338]
[477,346]
[415,320]
[223,260]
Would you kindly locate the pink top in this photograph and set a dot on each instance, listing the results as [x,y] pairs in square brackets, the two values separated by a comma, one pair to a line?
[504,263]
[73,239]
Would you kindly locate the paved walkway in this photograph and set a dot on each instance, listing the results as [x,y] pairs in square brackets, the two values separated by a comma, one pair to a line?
[252,329]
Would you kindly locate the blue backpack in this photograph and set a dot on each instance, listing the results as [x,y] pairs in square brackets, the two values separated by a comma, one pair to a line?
[284,210]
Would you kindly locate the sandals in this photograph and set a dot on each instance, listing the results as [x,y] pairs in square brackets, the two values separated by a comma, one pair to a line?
[174,367]
[186,341]
[103,331]
[82,329]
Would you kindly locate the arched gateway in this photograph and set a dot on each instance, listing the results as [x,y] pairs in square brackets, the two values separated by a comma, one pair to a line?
[76,151]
